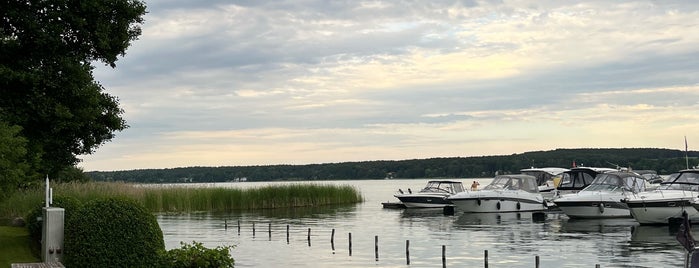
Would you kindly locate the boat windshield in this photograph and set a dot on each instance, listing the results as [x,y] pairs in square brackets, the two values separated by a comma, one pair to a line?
[576,180]
[443,187]
[688,181]
[512,183]
[613,182]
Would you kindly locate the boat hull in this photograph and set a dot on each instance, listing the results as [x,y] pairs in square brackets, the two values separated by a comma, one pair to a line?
[593,209]
[659,207]
[497,201]
[593,205]
[423,201]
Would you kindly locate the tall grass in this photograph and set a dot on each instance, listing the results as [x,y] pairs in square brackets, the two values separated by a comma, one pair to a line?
[189,199]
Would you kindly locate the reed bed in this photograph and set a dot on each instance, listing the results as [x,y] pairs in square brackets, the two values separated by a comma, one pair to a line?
[189,199]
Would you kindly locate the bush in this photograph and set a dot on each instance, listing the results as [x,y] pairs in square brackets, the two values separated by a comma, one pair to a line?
[196,255]
[113,233]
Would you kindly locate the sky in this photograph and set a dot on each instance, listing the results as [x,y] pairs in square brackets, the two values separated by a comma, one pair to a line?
[241,83]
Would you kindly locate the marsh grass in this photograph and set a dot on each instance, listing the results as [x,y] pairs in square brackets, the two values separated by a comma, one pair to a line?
[189,199]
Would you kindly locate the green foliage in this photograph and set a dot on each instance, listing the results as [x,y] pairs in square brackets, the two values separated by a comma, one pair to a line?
[178,199]
[73,174]
[46,81]
[113,233]
[198,256]
[13,165]
[664,161]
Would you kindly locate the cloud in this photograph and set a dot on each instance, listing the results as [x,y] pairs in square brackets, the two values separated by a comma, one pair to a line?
[321,81]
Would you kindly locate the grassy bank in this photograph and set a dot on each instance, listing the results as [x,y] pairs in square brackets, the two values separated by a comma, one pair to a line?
[189,199]
[14,246]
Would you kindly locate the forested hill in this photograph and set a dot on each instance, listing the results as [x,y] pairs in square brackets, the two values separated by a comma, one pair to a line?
[664,161]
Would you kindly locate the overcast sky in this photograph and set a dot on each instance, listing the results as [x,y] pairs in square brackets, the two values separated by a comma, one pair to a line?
[230,83]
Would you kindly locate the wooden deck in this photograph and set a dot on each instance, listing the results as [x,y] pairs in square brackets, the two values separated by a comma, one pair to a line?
[38,265]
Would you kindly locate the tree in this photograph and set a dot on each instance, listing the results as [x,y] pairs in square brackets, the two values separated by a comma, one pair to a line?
[13,165]
[47,49]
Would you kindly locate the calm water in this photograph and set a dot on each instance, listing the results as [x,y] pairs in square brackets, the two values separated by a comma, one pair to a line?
[512,239]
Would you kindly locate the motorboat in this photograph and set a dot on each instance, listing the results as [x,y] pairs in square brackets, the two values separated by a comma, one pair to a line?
[577,178]
[602,198]
[506,193]
[668,201]
[546,178]
[432,196]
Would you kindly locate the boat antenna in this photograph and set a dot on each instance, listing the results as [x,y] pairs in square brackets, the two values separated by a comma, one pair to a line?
[686,158]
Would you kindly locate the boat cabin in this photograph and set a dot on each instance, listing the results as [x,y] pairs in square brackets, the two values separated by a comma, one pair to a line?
[578,178]
[618,181]
[514,182]
[450,187]
[687,179]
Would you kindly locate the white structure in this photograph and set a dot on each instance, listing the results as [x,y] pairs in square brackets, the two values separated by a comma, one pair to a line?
[52,230]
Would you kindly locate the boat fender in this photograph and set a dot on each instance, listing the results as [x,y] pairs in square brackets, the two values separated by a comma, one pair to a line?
[479,202]
[601,208]
[519,206]
[497,205]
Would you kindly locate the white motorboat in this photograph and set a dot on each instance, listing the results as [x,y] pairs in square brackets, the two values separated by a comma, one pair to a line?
[667,202]
[546,178]
[602,198]
[577,178]
[432,196]
[506,193]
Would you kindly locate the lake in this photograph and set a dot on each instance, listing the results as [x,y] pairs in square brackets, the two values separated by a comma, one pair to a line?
[511,239]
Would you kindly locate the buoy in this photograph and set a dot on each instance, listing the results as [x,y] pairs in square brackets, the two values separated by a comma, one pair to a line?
[601,208]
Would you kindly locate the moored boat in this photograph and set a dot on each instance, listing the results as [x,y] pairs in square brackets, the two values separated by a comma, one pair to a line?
[602,198]
[432,196]
[667,201]
[506,193]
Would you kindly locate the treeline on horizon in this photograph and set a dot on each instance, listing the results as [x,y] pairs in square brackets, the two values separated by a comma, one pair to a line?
[663,161]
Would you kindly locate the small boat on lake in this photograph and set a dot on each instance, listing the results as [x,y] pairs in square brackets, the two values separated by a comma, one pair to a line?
[506,193]
[602,198]
[668,201]
[432,196]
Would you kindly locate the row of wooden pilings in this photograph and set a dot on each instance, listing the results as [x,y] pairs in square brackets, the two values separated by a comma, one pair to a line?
[376,245]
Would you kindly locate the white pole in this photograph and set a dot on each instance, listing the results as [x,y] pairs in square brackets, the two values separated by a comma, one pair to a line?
[47,191]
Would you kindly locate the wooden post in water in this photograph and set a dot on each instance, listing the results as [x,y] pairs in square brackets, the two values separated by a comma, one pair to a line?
[238,227]
[309,237]
[536,261]
[269,229]
[486,259]
[407,252]
[444,256]
[332,240]
[225,225]
[350,244]
[376,247]
[287,234]
[253,229]
[597,265]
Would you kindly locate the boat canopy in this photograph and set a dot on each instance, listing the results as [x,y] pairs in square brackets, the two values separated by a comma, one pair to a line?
[514,182]
[451,187]
[579,177]
[686,180]
[618,181]
[543,175]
